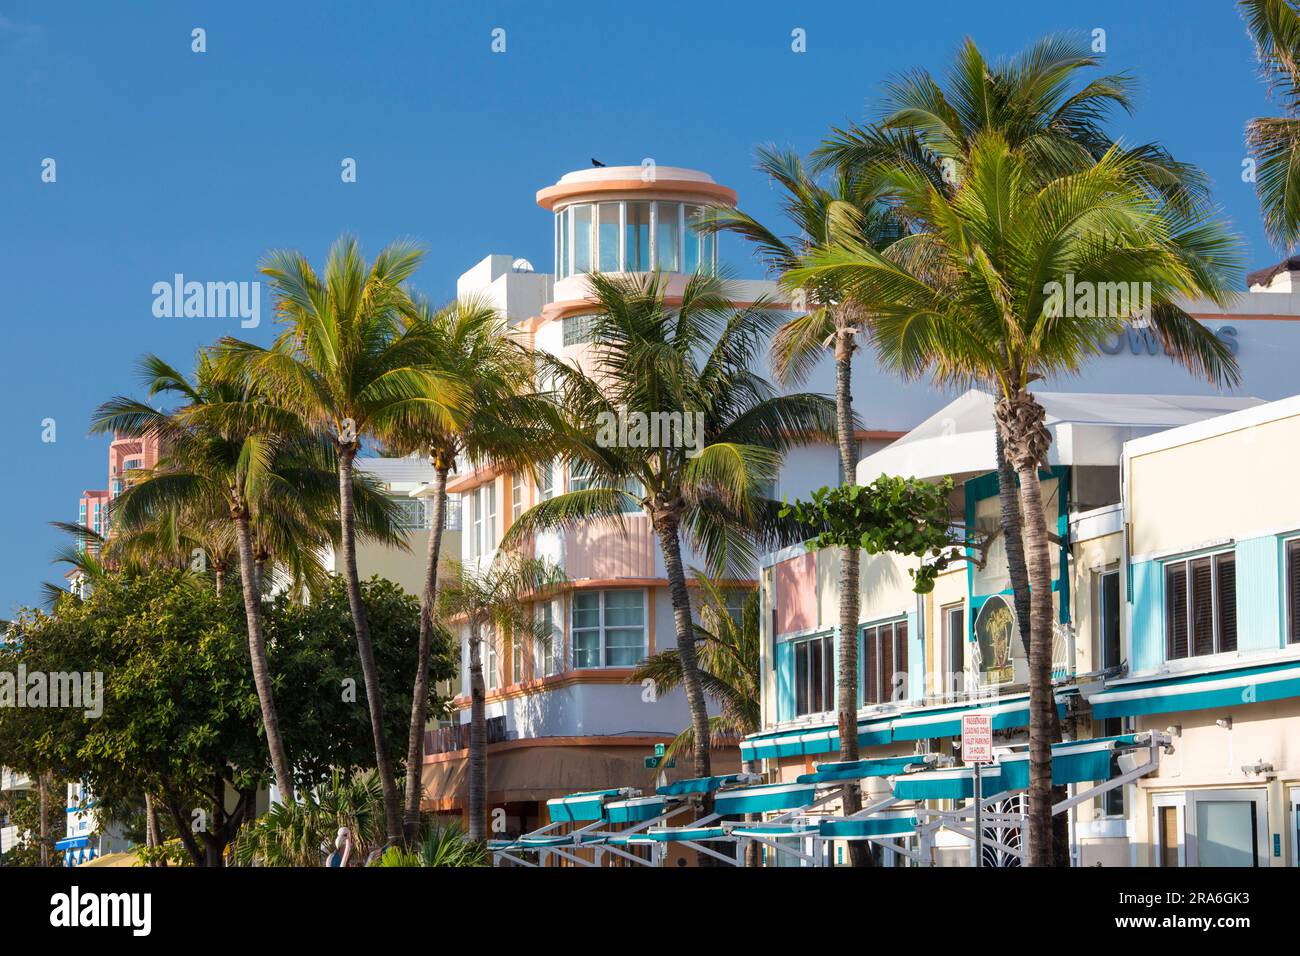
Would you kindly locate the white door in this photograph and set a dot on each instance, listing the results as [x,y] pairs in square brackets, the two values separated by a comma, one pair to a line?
[1227,827]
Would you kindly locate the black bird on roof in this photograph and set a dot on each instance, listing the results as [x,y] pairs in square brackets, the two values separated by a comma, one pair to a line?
[597,162]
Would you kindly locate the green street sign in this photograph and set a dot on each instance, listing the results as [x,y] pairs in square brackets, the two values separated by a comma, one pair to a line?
[659,750]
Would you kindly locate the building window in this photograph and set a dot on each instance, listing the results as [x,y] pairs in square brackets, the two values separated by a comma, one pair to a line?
[579,476]
[516,658]
[1112,801]
[1293,591]
[1226,828]
[546,645]
[954,640]
[582,234]
[884,662]
[608,628]
[491,679]
[485,519]
[577,329]
[814,675]
[1108,617]
[607,241]
[546,480]
[516,496]
[636,237]
[667,236]
[1201,606]
[410,514]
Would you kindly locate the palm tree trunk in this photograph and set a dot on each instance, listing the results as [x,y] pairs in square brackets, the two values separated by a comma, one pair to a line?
[1009,506]
[1027,440]
[257,655]
[477,738]
[366,650]
[44,792]
[151,826]
[420,698]
[667,529]
[846,681]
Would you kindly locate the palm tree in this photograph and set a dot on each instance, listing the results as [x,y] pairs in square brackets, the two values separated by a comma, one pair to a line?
[494,421]
[341,365]
[493,601]
[229,454]
[1274,25]
[831,323]
[1040,103]
[692,360]
[728,660]
[968,297]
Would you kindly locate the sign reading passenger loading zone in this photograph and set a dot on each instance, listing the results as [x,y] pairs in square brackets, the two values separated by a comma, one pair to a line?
[976,738]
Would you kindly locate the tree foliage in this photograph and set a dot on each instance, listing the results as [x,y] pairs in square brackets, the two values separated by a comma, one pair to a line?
[904,516]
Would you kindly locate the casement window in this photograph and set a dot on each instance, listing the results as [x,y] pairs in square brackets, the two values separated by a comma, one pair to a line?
[884,662]
[491,676]
[546,480]
[485,519]
[814,675]
[546,645]
[954,642]
[516,495]
[1201,606]
[579,476]
[1108,619]
[516,659]
[1293,591]
[608,628]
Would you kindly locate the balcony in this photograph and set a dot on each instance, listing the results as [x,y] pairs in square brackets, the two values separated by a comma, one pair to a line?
[442,740]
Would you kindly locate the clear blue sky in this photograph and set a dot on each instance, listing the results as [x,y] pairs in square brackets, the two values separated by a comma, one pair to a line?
[170,161]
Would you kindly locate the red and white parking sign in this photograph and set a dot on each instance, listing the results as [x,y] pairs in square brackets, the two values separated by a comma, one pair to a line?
[976,738]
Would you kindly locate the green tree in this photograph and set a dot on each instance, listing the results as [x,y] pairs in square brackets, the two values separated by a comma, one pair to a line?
[494,420]
[493,602]
[973,294]
[1274,25]
[693,360]
[344,365]
[828,322]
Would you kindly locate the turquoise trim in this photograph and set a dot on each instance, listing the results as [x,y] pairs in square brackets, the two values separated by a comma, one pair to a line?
[678,834]
[1082,767]
[636,810]
[784,665]
[915,659]
[1246,685]
[1260,609]
[579,807]
[1147,641]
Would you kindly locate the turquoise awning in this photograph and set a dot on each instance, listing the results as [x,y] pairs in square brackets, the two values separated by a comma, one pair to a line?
[918,723]
[764,798]
[1074,761]
[957,783]
[635,810]
[1225,688]
[692,785]
[773,831]
[861,769]
[580,807]
[865,828]
[677,834]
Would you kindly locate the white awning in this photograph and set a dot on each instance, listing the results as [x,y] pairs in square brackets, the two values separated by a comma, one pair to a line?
[1087,429]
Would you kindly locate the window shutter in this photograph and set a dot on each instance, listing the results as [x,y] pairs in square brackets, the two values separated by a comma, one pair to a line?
[886,663]
[900,632]
[869,666]
[1293,591]
[1225,574]
[1176,610]
[1202,606]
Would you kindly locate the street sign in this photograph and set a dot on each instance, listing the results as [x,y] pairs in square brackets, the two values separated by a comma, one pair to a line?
[976,738]
[659,750]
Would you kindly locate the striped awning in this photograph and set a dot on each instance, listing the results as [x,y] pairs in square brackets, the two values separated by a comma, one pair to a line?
[764,798]
[692,785]
[635,810]
[957,783]
[861,769]
[1221,688]
[1074,761]
[918,723]
[581,807]
[677,834]
[865,828]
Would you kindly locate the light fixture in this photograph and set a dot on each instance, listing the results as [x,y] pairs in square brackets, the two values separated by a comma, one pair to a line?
[1224,722]
[1257,768]
[1175,730]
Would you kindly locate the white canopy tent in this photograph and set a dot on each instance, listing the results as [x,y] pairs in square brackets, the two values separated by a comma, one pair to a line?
[1087,429]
